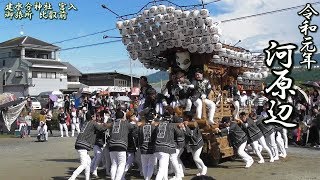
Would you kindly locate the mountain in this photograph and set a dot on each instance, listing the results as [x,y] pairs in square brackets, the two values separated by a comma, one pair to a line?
[158,76]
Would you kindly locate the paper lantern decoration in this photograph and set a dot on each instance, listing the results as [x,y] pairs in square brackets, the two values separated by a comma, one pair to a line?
[195,13]
[162,46]
[170,26]
[185,14]
[134,38]
[163,26]
[153,43]
[134,55]
[239,79]
[204,13]
[170,9]
[149,34]
[126,40]
[140,19]
[218,47]
[146,13]
[160,37]
[156,51]
[137,46]
[130,47]
[184,45]
[216,58]
[183,60]
[175,35]
[123,32]
[188,40]
[205,40]
[177,43]
[151,21]
[191,33]
[182,23]
[119,24]
[178,13]
[170,44]
[264,74]
[191,24]
[130,31]
[142,37]
[145,27]
[192,48]
[197,41]
[199,22]
[209,48]
[153,10]
[208,21]
[162,9]
[126,23]
[145,46]
[134,22]
[167,35]
[159,18]
[201,49]
[156,29]
[137,30]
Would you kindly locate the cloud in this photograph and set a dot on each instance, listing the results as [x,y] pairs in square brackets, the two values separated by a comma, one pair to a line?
[256,32]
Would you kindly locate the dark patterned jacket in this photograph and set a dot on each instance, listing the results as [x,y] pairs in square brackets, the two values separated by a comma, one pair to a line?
[252,130]
[146,138]
[200,88]
[179,138]
[194,138]
[119,135]
[236,135]
[267,129]
[183,93]
[165,133]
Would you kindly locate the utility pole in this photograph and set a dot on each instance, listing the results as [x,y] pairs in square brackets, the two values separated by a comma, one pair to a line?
[131,78]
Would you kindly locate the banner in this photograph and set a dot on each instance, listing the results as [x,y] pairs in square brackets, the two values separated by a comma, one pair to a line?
[12,114]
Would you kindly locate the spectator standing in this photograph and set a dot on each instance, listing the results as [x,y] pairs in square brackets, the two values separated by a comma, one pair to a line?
[49,121]
[28,119]
[62,122]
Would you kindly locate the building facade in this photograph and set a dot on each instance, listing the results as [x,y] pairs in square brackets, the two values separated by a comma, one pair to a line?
[29,66]
[110,81]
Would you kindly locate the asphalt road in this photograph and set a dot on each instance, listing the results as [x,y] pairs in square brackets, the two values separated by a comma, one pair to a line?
[56,159]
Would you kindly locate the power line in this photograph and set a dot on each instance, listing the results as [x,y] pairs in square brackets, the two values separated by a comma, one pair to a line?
[269,12]
[89,45]
[79,37]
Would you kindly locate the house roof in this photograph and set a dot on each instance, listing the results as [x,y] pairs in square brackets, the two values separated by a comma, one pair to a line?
[115,72]
[27,41]
[46,63]
[71,70]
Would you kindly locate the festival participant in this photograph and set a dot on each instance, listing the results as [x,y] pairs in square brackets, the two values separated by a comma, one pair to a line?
[75,122]
[167,91]
[175,160]
[252,125]
[97,148]
[259,102]
[280,142]
[84,143]
[268,132]
[238,139]
[146,139]
[164,144]
[194,141]
[182,91]
[132,142]
[49,121]
[42,131]
[28,119]
[144,88]
[234,94]
[118,144]
[202,88]
[62,122]
[243,99]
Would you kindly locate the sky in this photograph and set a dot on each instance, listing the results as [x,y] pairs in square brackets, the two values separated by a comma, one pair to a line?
[90,17]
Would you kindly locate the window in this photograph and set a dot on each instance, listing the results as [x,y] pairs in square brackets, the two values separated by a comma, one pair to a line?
[18,74]
[44,75]
[120,82]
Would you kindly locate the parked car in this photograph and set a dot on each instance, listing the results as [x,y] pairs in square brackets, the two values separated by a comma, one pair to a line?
[44,98]
[35,103]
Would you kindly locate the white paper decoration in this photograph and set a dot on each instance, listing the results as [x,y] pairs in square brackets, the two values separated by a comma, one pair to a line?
[137,46]
[170,44]
[195,13]
[145,13]
[153,10]
[134,55]
[130,47]
[204,13]
[197,41]
[170,9]
[192,48]
[162,9]
[209,48]
[126,40]
[159,18]
[178,13]
[218,47]
[119,24]
[201,49]
[185,14]
[162,46]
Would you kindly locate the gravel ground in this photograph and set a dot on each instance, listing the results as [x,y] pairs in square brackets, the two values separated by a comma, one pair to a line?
[56,159]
